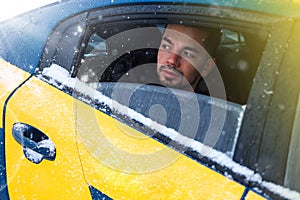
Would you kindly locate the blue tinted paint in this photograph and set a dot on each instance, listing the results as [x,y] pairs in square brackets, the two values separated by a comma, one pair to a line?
[97,195]
[3,178]
[246,191]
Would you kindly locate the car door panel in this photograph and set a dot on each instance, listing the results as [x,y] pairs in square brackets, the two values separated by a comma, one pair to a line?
[51,111]
[121,162]
[10,78]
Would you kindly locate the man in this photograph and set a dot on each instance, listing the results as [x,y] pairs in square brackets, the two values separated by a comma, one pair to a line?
[184,56]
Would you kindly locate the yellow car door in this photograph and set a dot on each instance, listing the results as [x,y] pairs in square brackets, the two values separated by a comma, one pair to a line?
[10,78]
[42,159]
[124,163]
[118,161]
[121,162]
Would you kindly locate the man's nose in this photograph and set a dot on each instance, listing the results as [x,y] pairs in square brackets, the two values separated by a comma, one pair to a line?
[173,59]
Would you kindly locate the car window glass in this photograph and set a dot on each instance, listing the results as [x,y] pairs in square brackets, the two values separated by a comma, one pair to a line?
[112,52]
[95,46]
[231,37]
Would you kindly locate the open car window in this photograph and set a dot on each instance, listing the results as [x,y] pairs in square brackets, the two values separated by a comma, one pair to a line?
[128,53]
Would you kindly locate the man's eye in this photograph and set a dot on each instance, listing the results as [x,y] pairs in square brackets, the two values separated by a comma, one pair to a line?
[188,54]
[165,46]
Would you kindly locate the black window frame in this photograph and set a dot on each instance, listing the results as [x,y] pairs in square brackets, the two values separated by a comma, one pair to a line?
[63,46]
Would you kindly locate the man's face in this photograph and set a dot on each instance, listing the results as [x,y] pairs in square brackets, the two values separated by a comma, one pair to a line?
[181,57]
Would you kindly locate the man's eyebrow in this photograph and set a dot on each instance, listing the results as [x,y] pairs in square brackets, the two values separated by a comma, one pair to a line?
[193,49]
[189,48]
[167,40]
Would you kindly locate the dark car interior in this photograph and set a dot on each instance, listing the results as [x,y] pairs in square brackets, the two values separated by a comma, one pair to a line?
[113,54]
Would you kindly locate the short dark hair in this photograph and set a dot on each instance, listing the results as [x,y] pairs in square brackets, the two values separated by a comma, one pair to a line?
[213,39]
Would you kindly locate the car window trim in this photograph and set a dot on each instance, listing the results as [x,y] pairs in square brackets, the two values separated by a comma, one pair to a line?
[56,37]
[254,127]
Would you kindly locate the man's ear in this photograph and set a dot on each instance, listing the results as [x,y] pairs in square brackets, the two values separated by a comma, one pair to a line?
[210,64]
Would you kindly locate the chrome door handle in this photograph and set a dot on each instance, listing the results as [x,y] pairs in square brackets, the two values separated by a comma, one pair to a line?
[36,145]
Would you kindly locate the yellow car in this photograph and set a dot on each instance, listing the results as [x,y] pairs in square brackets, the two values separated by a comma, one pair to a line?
[89,110]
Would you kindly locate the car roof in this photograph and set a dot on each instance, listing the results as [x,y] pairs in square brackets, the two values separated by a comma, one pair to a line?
[46,18]
[287,8]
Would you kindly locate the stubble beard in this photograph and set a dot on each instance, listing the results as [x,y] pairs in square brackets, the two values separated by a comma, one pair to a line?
[169,82]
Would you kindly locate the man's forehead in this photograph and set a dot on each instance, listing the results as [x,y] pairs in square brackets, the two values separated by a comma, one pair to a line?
[183,40]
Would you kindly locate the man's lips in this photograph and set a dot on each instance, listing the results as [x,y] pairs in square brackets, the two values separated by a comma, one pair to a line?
[170,72]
